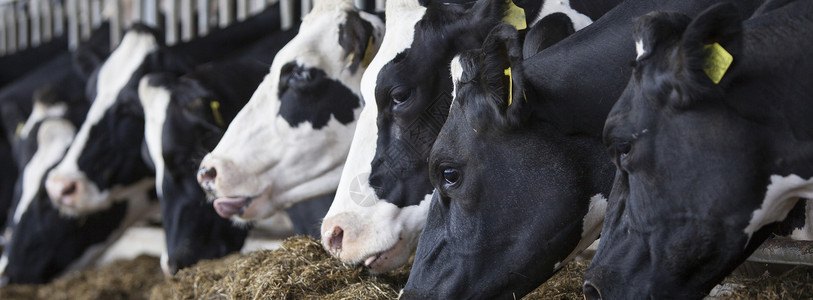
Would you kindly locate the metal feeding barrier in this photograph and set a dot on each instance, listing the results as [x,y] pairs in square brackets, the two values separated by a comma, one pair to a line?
[26,24]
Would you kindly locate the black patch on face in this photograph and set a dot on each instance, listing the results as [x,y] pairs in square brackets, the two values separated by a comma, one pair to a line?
[112,153]
[413,97]
[308,95]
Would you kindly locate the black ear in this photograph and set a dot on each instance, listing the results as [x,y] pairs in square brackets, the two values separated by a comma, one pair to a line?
[357,37]
[502,67]
[90,54]
[657,30]
[165,61]
[721,24]
[548,31]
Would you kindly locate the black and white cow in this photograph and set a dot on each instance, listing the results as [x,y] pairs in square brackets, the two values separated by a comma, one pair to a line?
[41,242]
[384,192]
[713,146]
[105,161]
[290,142]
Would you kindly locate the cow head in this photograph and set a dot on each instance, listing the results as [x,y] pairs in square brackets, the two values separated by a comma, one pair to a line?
[104,162]
[512,191]
[289,143]
[184,119]
[382,199]
[705,169]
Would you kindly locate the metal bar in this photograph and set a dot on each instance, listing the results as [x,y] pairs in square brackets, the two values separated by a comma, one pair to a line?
[187,20]
[306,7]
[203,17]
[84,19]
[47,25]
[171,21]
[135,13]
[11,30]
[96,13]
[22,26]
[3,30]
[380,5]
[72,14]
[36,22]
[242,10]
[115,22]
[150,16]
[360,4]
[256,7]
[225,13]
[59,18]
[286,11]
[784,251]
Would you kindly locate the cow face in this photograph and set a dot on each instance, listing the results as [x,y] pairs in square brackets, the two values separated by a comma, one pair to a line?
[704,170]
[104,162]
[382,199]
[290,141]
[512,193]
[185,118]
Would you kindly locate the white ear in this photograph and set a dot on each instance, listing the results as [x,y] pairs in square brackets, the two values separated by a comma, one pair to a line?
[780,197]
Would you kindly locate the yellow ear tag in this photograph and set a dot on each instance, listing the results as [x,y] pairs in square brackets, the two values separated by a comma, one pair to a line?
[507,72]
[515,16]
[717,62]
[215,105]
[19,129]
[368,53]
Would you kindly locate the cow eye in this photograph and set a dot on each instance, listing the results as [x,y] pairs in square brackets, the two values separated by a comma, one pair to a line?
[451,176]
[623,148]
[301,75]
[400,95]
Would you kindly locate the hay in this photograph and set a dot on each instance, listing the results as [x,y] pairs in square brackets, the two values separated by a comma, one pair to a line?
[300,269]
[128,279]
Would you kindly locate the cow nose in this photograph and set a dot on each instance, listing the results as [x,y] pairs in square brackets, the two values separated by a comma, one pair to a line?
[62,192]
[334,239]
[591,292]
[206,175]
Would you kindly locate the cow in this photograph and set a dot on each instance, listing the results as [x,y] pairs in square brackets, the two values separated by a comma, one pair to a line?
[521,183]
[105,161]
[384,193]
[712,144]
[289,143]
[41,243]
[108,161]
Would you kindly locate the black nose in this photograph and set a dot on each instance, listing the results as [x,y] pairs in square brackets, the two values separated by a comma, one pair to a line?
[591,292]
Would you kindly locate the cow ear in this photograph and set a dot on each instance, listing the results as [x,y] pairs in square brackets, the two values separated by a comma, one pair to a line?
[359,39]
[712,42]
[657,30]
[502,63]
[548,31]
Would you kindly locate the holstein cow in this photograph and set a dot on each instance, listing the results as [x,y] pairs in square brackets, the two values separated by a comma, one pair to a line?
[384,192]
[42,243]
[106,162]
[713,146]
[290,142]
[521,182]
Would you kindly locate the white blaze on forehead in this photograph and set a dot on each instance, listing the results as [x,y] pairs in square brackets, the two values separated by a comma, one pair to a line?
[113,76]
[53,138]
[591,227]
[639,48]
[154,100]
[457,72]
[578,19]
[42,111]
[781,196]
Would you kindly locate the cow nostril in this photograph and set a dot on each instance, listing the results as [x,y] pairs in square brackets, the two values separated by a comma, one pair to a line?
[335,241]
[69,189]
[591,292]
[207,174]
